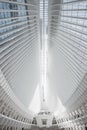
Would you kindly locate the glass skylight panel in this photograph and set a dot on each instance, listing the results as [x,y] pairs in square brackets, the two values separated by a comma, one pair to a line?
[44,19]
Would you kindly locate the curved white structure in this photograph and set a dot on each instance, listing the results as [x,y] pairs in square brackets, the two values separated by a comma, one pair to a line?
[43,43]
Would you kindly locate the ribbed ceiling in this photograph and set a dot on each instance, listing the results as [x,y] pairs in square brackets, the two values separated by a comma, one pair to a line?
[67,48]
[20,44]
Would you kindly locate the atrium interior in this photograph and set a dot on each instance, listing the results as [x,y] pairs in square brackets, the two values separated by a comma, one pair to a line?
[43,64]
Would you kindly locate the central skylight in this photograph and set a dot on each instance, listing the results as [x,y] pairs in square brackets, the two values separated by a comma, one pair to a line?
[44,49]
[42,89]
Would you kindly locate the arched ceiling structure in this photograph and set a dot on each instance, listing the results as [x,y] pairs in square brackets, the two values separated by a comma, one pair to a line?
[67,49]
[20,48]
